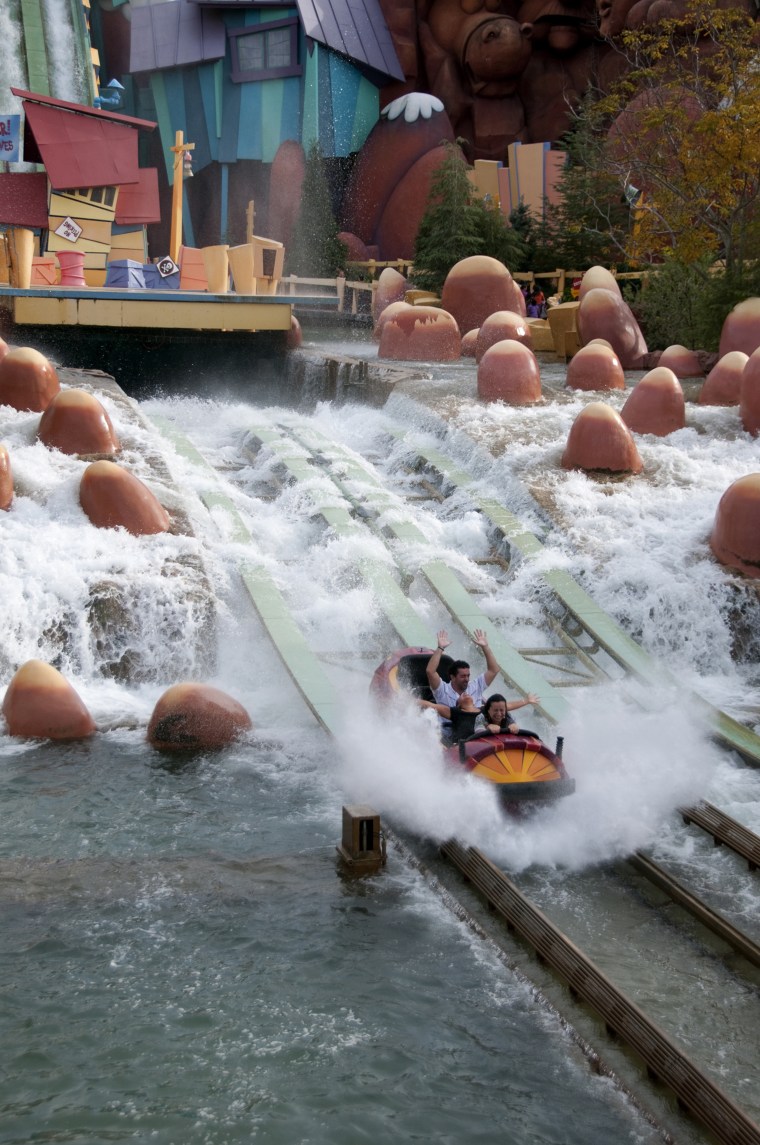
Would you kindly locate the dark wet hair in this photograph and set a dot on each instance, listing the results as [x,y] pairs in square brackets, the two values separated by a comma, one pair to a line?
[485,711]
[456,665]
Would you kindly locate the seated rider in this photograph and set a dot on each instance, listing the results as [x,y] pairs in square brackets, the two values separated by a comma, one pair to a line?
[459,682]
[495,714]
[461,717]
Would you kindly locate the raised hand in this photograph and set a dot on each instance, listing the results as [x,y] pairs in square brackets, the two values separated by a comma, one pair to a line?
[443,639]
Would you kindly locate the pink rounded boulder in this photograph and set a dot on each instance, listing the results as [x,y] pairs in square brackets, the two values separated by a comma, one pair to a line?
[478,286]
[112,498]
[508,372]
[598,278]
[40,704]
[604,314]
[391,287]
[600,439]
[75,422]
[595,367]
[27,380]
[420,334]
[683,362]
[468,343]
[741,329]
[656,404]
[390,311]
[749,394]
[735,539]
[723,384]
[501,326]
[6,479]
[196,717]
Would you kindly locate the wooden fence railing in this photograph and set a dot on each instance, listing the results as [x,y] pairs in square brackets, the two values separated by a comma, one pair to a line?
[348,291]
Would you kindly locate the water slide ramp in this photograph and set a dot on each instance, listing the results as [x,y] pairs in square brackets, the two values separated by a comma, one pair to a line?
[302,665]
[337,513]
[382,512]
[597,623]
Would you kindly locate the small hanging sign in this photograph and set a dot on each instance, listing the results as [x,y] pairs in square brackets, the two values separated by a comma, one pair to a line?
[69,230]
[167,266]
[10,132]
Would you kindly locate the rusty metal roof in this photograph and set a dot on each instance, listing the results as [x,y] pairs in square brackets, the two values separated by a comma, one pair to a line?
[80,146]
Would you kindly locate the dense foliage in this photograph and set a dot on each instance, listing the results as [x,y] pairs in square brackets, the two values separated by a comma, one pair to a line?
[457,224]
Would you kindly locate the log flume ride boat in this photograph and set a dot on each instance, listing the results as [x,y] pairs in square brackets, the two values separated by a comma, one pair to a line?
[522,768]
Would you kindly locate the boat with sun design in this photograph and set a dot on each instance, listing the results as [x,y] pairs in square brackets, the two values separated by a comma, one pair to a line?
[522,767]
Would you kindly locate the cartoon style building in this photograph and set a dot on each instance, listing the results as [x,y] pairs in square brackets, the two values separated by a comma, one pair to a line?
[240,77]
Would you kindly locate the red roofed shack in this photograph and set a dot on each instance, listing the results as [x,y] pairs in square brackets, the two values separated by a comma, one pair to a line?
[93,196]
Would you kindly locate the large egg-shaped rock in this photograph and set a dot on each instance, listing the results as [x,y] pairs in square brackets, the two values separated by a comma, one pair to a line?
[294,337]
[75,422]
[595,367]
[40,704]
[6,479]
[502,326]
[27,380]
[600,439]
[749,394]
[723,384]
[388,313]
[604,314]
[598,277]
[508,372]
[112,498]
[741,329]
[683,362]
[478,286]
[735,538]
[196,717]
[656,404]
[420,334]
[391,287]
[468,343]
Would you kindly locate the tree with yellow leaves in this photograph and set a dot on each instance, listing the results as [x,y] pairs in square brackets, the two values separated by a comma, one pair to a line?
[680,133]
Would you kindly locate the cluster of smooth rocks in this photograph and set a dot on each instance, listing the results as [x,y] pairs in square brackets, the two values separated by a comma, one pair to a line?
[420,334]
[741,329]
[75,422]
[735,538]
[196,717]
[479,286]
[113,497]
[28,380]
[501,326]
[683,362]
[749,394]
[40,704]
[508,372]
[656,404]
[6,479]
[723,384]
[595,367]
[599,439]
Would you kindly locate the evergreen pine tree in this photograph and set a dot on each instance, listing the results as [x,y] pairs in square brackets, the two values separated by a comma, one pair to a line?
[451,228]
[315,249]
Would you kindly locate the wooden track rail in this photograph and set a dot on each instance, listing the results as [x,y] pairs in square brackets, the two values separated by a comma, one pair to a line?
[725,830]
[694,1089]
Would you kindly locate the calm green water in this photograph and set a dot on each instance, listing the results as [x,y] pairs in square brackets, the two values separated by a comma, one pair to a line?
[181,964]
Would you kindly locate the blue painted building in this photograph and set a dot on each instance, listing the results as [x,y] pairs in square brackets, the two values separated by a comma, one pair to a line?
[240,77]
